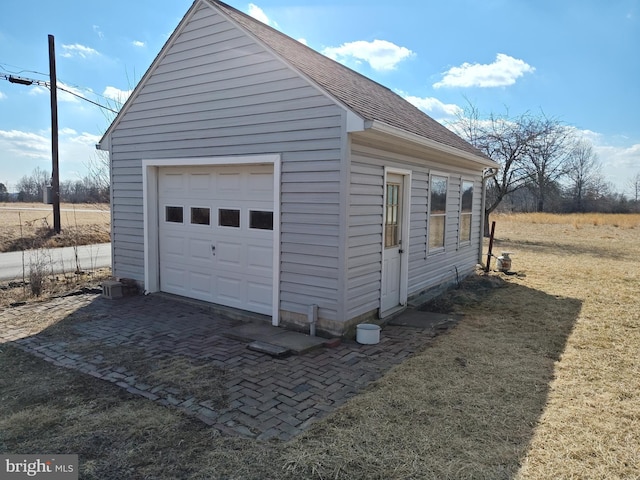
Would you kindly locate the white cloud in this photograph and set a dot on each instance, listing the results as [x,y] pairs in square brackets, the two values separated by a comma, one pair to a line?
[28,150]
[257,13]
[138,43]
[303,41]
[66,96]
[25,144]
[77,50]
[433,107]
[96,28]
[381,55]
[505,70]
[116,94]
[619,157]
[2,96]
[38,90]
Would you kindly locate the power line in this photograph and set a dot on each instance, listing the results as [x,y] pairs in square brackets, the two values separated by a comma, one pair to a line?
[41,83]
[87,100]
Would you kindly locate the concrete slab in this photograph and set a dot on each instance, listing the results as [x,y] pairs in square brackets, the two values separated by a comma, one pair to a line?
[249,332]
[269,348]
[297,342]
[418,319]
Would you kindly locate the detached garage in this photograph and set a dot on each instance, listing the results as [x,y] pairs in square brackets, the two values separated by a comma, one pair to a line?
[250,171]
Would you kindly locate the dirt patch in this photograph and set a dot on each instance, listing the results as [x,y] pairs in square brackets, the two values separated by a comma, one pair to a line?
[470,292]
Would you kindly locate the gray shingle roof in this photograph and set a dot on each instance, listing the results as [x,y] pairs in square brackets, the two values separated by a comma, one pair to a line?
[369,99]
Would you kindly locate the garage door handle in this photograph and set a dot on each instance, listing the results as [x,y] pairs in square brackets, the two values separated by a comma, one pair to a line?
[213,250]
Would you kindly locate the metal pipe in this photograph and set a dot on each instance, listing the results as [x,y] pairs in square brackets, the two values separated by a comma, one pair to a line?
[493,229]
[312,316]
[486,175]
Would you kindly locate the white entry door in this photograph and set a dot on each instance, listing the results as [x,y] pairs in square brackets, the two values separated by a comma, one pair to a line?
[393,264]
[216,234]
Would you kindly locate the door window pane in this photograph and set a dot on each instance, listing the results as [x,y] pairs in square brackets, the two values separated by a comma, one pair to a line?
[261,220]
[173,214]
[200,216]
[392,225]
[228,217]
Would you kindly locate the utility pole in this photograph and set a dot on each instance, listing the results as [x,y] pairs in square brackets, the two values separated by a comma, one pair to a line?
[55,174]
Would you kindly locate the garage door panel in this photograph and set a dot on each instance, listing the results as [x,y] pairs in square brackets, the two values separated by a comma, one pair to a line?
[260,259]
[171,183]
[200,283]
[174,246]
[259,296]
[229,255]
[200,250]
[229,289]
[228,263]
[199,182]
[175,278]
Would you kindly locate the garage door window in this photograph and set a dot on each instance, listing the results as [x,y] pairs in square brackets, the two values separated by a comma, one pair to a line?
[261,220]
[173,214]
[200,216]
[229,218]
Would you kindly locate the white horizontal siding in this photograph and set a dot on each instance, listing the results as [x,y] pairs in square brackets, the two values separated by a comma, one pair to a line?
[365,226]
[364,238]
[215,92]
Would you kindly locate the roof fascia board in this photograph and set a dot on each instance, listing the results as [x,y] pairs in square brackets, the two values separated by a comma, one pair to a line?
[104,145]
[382,127]
[355,123]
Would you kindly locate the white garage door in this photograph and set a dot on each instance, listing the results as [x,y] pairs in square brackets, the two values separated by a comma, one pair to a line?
[216,234]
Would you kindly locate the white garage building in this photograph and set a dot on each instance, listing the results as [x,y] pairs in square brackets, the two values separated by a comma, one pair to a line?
[250,171]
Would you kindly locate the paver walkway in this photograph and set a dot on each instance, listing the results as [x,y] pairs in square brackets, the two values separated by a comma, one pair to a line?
[177,355]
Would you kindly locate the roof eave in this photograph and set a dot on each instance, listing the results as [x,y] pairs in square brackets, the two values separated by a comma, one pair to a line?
[377,126]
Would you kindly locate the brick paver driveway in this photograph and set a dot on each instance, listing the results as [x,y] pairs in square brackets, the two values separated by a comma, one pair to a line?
[177,354]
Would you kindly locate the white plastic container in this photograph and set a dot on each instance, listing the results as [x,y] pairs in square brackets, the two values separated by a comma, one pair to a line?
[367,333]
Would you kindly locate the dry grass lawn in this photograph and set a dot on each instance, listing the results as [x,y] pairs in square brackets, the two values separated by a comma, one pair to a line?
[25,226]
[540,380]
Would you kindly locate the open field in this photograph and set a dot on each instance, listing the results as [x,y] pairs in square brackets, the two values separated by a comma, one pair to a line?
[540,380]
[25,226]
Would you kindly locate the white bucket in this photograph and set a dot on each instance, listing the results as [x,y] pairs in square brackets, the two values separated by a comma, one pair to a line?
[367,333]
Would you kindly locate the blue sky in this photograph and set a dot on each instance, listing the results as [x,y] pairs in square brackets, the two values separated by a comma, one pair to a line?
[575,60]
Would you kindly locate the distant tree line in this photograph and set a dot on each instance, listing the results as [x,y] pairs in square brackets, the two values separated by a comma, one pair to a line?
[30,188]
[545,166]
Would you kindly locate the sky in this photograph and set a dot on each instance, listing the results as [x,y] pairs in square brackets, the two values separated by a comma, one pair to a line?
[576,61]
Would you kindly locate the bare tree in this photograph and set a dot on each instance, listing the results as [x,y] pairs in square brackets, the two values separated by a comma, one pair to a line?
[505,140]
[31,187]
[583,172]
[634,187]
[4,194]
[547,157]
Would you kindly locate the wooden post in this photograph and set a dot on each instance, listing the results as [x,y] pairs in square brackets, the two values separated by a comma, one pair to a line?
[55,175]
[493,229]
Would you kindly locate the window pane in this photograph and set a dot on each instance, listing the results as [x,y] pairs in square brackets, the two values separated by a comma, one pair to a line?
[391,236]
[200,216]
[436,231]
[173,214]
[229,218]
[467,197]
[261,220]
[438,194]
[465,227]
